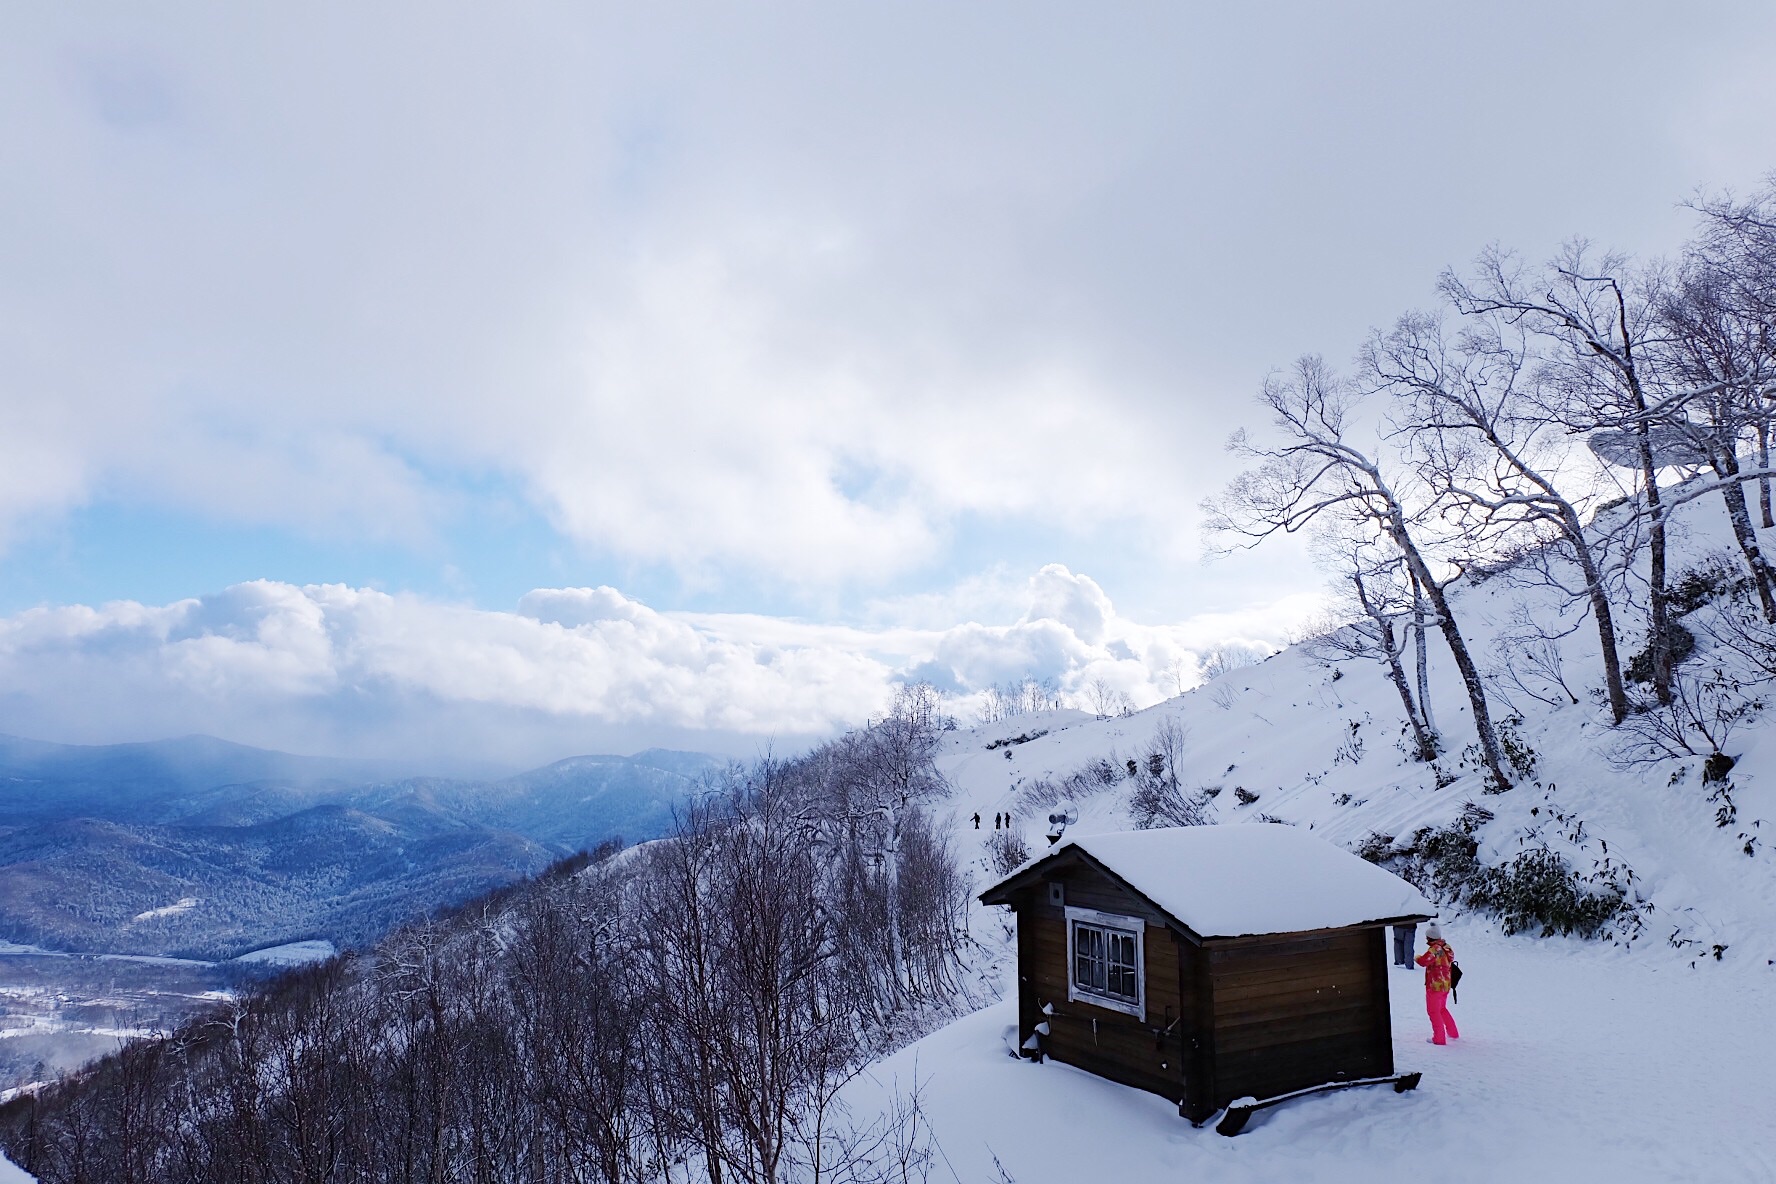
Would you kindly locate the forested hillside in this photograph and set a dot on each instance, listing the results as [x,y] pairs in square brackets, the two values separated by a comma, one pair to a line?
[198,848]
[697,999]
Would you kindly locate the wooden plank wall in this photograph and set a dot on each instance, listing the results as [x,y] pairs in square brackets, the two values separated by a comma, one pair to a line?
[1294,1012]
[1136,1052]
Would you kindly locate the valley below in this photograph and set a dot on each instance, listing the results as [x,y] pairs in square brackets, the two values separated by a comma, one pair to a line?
[59,1010]
[142,883]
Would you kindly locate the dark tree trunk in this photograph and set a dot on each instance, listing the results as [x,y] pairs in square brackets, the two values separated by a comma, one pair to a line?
[1458,648]
[1733,493]
[1424,664]
[1763,432]
[1658,611]
[1426,748]
[1600,609]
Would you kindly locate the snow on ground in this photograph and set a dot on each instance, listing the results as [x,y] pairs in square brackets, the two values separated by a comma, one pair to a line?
[1321,746]
[294,953]
[183,905]
[10,1174]
[15,949]
[1576,1062]
[1648,1059]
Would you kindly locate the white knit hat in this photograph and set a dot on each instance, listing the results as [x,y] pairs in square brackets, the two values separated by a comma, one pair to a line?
[1433,932]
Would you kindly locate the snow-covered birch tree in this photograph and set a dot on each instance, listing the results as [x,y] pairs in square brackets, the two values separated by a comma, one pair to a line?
[1321,465]
[1597,318]
[1513,478]
[1376,590]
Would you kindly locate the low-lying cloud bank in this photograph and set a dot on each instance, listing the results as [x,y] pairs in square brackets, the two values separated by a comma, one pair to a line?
[329,668]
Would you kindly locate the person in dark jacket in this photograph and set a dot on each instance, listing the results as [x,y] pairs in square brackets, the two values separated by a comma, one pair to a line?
[1405,938]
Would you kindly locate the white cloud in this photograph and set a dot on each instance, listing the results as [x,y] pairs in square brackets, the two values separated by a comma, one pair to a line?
[763,296]
[328,668]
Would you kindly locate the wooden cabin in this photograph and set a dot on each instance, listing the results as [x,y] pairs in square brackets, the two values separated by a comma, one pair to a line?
[1207,963]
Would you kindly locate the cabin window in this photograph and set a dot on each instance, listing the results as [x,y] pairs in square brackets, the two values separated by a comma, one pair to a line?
[1105,960]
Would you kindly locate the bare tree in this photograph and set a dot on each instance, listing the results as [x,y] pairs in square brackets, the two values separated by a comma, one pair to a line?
[1106,699]
[1379,592]
[1479,433]
[1224,659]
[1026,696]
[578,1017]
[1159,798]
[1597,315]
[1720,346]
[1173,674]
[1531,661]
[1319,466]
[1421,619]
[1737,240]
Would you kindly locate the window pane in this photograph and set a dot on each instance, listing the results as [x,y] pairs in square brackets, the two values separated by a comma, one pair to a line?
[1105,961]
[1122,965]
[1088,950]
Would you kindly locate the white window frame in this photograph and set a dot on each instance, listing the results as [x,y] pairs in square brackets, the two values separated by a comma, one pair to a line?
[1133,927]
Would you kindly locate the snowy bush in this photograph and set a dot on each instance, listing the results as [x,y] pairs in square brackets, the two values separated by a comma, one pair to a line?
[1006,852]
[1715,576]
[1376,847]
[1538,890]
[1682,643]
[1159,802]
[1088,780]
[1517,751]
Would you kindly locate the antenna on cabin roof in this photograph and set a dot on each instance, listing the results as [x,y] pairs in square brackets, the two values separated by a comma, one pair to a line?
[1062,815]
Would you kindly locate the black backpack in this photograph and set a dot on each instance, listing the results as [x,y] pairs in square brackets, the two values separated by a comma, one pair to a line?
[1455,978]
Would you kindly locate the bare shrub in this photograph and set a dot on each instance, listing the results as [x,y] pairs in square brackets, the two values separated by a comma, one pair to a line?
[1703,713]
[1156,803]
[1106,700]
[1228,658]
[1006,852]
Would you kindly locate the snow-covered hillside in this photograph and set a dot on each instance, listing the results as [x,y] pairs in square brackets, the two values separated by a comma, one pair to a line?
[1322,745]
[1643,1056]
[1574,1064]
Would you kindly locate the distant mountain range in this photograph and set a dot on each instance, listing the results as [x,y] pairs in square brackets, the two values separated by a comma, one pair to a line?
[199,847]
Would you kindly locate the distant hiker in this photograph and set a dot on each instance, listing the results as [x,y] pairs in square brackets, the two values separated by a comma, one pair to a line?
[996,819]
[1405,937]
[977,820]
[1436,960]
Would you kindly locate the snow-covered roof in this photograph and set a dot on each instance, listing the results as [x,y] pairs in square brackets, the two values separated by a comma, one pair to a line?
[1246,879]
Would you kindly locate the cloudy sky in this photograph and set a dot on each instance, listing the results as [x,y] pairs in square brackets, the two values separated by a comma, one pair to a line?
[507,381]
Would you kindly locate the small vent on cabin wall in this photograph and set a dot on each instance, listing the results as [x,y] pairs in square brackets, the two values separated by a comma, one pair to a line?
[1056,896]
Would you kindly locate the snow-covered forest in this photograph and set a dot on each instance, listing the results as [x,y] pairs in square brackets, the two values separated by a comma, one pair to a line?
[1543,696]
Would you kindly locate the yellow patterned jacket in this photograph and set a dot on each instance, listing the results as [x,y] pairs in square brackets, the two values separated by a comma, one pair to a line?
[1436,962]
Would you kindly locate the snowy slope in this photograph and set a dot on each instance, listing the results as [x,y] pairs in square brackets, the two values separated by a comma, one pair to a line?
[1645,1058]
[1321,746]
[1573,1065]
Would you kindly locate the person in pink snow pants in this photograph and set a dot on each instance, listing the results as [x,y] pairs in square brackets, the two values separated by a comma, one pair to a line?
[1436,962]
